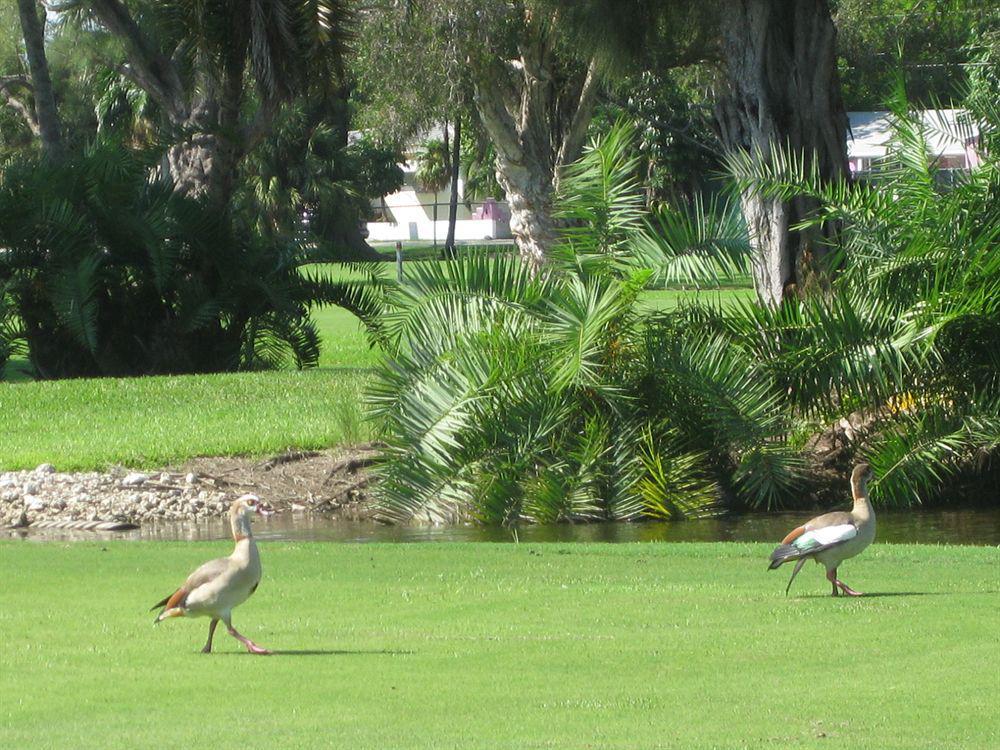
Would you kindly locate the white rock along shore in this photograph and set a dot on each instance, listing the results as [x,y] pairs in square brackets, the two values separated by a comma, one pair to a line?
[45,494]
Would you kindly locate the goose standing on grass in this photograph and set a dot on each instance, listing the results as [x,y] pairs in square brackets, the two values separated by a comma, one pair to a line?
[833,537]
[218,586]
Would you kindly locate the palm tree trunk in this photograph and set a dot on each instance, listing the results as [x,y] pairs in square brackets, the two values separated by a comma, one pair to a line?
[197,168]
[434,222]
[207,111]
[456,152]
[45,101]
[784,91]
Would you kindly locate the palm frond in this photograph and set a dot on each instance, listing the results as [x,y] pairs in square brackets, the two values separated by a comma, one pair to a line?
[918,452]
[696,243]
[73,294]
[676,483]
[600,198]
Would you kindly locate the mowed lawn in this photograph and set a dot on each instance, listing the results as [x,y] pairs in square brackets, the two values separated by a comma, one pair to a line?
[147,422]
[503,646]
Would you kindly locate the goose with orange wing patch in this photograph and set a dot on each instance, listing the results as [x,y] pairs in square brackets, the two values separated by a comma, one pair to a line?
[833,537]
[218,586]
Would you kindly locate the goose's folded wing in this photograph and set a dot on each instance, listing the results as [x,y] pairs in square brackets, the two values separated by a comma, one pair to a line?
[202,575]
[207,573]
[824,537]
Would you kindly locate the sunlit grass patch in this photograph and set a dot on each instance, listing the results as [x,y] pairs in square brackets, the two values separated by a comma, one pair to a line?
[502,646]
[86,424]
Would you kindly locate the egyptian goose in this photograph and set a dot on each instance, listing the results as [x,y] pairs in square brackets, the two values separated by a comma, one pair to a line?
[218,586]
[833,537]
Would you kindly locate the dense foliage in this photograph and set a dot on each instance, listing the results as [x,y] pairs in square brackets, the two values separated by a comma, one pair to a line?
[509,396]
[513,397]
[672,111]
[109,272]
[198,159]
[307,181]
[936,43]
[908,339]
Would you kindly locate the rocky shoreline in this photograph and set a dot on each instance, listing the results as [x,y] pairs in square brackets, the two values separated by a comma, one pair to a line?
[320,481]
[45,494]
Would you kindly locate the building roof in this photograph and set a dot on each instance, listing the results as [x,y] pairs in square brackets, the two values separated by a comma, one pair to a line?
[946,131]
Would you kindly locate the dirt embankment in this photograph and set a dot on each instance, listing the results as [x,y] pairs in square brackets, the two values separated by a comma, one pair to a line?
[330,481]
[333,481]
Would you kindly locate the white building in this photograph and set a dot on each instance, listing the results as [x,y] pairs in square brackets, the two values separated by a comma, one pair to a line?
[408,214]
[951,141]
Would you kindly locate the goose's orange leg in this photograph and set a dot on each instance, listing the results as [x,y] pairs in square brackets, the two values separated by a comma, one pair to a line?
[831,576]
[252,647]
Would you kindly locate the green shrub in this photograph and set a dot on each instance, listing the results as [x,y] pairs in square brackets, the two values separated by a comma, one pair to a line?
[109,272]
[509,397]
[908,338]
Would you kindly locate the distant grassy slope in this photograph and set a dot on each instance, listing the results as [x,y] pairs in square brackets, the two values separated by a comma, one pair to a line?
[85,424]
[503,646]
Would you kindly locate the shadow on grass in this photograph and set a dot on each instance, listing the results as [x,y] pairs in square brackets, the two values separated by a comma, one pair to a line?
[321,652]
[336,652]
[877,594]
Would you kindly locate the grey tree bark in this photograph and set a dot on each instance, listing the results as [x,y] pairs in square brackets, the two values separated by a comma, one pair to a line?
[46,115]
[537,124]
[784,90]
[202,163]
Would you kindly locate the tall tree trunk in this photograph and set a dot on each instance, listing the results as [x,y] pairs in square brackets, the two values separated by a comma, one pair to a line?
[197,168]
[343,230]
[783,91]
[204,164]
[456,153]
[206,113]
[347,243]
[45,102]
[537,121]
[529,187]
[434,221]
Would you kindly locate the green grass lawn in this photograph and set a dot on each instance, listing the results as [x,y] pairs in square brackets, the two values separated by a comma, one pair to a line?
[344,343]
[86,424]
[503,646]
[147,422]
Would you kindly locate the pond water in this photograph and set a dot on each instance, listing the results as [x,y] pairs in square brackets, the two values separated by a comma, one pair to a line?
[977,527]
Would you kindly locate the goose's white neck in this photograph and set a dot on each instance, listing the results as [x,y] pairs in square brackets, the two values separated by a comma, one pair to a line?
[862,505]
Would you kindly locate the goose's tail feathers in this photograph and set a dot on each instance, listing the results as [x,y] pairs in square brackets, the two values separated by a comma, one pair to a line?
[784,553]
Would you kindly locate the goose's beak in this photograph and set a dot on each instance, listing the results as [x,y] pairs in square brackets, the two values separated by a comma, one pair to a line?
[264,510]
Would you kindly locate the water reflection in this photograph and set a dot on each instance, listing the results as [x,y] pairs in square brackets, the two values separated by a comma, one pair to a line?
[978,527]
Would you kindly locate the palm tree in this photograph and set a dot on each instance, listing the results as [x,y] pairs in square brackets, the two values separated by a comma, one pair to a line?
[908,336]
[106,273]
[509,395]
[207,63]
[781,89]
[433,172]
